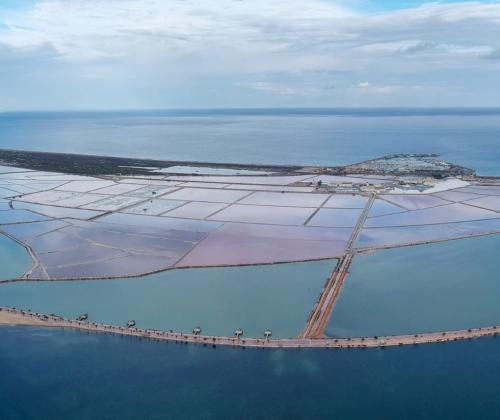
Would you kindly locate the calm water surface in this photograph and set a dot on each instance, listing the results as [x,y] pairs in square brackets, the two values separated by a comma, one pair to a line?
[279,297]
[14,259]
[301,136]
[444,286]
[64,374]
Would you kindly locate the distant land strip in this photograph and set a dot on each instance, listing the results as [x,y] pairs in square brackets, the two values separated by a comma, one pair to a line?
[94,165]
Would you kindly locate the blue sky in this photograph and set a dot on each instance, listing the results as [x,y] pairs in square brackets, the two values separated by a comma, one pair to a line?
[110,54]
[15,4]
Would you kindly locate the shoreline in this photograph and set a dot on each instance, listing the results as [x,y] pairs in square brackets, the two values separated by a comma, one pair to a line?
[99,165]
[313,333]
[16,317]
[94,165]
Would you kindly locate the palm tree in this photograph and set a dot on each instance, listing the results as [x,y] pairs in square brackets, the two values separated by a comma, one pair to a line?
[268,334]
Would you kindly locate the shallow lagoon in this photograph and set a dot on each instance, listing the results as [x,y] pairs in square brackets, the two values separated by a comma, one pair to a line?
[279,297]
[14,259]
[435,287]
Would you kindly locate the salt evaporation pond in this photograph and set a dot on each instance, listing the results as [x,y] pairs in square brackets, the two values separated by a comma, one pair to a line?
[436,287]
[279,297]
[14,259]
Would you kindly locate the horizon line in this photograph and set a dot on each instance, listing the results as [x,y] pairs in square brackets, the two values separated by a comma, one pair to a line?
[264,108]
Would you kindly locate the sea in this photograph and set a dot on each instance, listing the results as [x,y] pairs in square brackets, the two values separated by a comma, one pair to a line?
[63,374]
[469,137]
[52,374]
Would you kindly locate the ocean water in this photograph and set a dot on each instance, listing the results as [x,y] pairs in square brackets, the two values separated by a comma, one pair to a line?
[435,287]
[14,259]
[470,137]
[63,374]
[219,300]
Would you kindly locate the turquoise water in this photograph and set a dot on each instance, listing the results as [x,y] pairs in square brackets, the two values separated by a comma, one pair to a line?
[276,136]
[279,297]
[436,287]
[63,374]
[14,259]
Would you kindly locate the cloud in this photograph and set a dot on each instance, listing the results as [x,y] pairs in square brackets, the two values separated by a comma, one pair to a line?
[181,52]
[417,46]
[269,87]
[371,89]
[26,56]
[492,54]
[382,89]
[285,89]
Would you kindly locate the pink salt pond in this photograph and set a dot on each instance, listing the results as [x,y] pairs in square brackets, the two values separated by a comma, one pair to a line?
[414,202]
[208,194]
[264,214]
[196,210]
[243,244]
[264,198]
[335,218]
[450,213]
[381,208]
[491,202]
[346,201]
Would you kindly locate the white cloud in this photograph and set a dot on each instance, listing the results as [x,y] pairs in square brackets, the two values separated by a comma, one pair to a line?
[171,46]
[493,54]
[417,46]
[284,89]
[377,89]
[269,87]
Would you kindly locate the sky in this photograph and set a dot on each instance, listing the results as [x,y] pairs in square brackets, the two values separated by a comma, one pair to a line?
[136,54]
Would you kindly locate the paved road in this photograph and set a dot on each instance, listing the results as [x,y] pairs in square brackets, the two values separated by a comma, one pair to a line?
[9,316]
[321,312]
